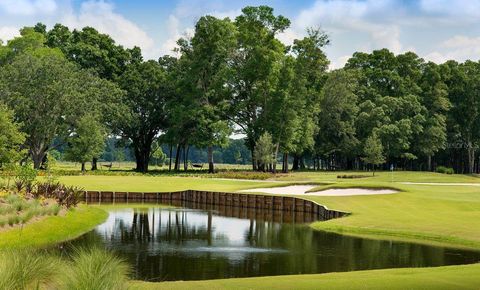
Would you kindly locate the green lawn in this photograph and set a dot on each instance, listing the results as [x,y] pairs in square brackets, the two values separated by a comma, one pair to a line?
[456,277]
[53,229]
[157,183]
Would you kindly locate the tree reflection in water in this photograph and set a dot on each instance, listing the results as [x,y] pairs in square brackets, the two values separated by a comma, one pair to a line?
[188,244]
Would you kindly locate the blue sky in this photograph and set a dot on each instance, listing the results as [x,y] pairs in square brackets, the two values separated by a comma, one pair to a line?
[437,30]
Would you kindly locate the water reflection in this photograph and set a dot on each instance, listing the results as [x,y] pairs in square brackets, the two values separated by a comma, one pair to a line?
[183,244]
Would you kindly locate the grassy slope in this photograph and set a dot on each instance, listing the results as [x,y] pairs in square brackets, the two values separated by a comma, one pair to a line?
[457,277]
[53,229]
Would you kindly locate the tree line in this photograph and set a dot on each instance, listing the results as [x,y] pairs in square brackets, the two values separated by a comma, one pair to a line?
[78,87]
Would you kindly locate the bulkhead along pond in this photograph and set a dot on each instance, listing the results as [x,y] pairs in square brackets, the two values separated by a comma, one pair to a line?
[163,243]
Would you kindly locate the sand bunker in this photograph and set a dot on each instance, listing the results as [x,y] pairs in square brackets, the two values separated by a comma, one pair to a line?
[302,190]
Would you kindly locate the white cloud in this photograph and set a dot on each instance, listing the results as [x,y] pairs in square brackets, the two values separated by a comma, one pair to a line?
[8,32]
[459,48]
[101,16]
[28,7]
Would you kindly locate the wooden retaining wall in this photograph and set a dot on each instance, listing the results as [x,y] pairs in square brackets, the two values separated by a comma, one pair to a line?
[193,198]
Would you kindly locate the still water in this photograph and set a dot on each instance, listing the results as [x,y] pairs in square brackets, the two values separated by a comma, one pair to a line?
[193,244]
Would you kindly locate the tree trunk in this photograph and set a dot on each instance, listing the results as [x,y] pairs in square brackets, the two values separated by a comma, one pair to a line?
[296,162]
[94,163]
[186,148]
[177,158]
[211,167]
[285,163]
[142,154]
[254,162]
[83,167]
[274,168]
[37,156]
[429,162]
[170,159]
[471,157]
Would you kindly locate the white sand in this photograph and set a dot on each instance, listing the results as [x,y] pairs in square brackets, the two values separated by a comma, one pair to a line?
[441,183]
[302,190]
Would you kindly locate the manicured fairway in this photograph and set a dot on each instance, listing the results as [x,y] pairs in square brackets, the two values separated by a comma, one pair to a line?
[158,183]
[456,277]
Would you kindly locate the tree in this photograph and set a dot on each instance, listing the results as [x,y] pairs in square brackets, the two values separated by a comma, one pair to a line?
[147,94]
[310,75]
[256,66]
[264,151]
[87,142]
[157,154]
[373,151]
[11,139]
[48,94]
[208,55]
[463,81]
[97,52]
[339,111]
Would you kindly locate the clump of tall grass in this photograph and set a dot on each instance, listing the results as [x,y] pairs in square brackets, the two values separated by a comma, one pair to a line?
[96,268]
[26,269]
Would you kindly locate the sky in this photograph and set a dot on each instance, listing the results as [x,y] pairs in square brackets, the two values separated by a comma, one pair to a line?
[436,30]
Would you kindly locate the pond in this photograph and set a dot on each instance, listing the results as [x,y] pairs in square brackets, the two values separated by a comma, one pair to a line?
[163,243]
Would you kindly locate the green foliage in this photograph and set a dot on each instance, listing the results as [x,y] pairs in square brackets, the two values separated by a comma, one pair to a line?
[157,154]
[11,139]
[25,176]
[88,140]
[264,151]
[373,151]
[46,107]
[96,268]
[28,269]
[445,170]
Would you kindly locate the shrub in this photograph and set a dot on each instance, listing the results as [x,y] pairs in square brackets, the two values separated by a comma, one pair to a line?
[245,175]
[445,170]
[352,176]
[96,269]
[27,269]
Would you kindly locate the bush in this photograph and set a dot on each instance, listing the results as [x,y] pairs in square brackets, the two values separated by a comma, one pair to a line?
[27,269]
[445,170]
[244,175]
[352,176]
[96,269]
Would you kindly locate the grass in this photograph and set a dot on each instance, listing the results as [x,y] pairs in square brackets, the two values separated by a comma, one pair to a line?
[14,209]
[87,269]
[157,183]
[96,269]
[53,229]
[456,277]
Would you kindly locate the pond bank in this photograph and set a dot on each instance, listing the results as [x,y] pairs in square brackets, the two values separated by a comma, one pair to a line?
[53,229]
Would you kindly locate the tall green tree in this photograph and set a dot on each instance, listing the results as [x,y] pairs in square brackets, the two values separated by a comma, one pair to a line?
[49,94]
[310,75]
[463,82]
[264,151]
[339,111]
[147,94]
[87,140]
[208,54]
[373,151]
[257,63]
